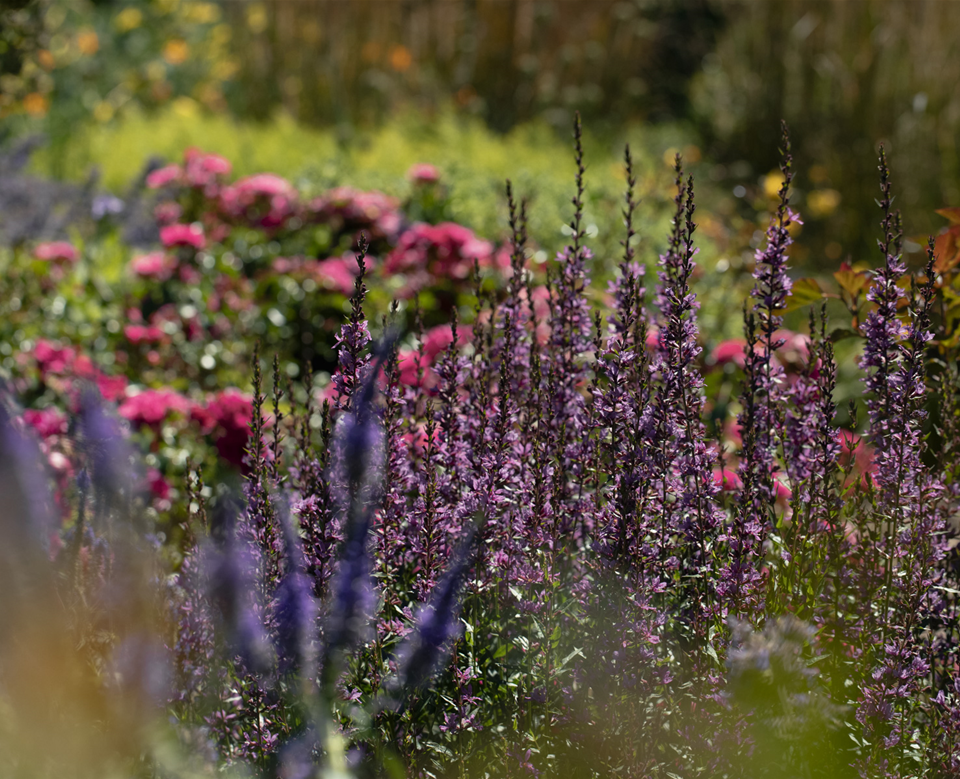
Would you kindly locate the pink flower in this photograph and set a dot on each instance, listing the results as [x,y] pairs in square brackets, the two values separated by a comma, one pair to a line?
[435,341]
[729,351]
[46,422]
[111,387]
[167,213]
[227,417]
[264,200]
[158,266]
[53,358]
[348,210]
[57,252]
[190,235]
[153,406]
[337,273]
[204,170]
[727,480]
[170,174]
[138,334]
[423,173]
[157,484]
[432,252]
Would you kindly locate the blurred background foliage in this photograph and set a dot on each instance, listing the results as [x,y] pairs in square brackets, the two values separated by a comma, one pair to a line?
[101,78]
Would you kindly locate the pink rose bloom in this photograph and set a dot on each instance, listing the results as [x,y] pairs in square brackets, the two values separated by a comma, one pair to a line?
[167,213]
[227,416]
[170,174]
[157,484]
[263,200]
[435,341]
[348,210]
[423,173]
[183,235]
[138,334]
[57,252]
[112,387]
[729,351]
[432,252]
[152,406]
[337,273]
[53,358]
[727,480]
[158,266]
[205,170]
[46,422]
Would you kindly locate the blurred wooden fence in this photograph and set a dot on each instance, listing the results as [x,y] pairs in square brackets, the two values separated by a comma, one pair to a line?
[350,60]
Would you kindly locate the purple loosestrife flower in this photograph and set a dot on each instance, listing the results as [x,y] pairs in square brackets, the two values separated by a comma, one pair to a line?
[763,412]
[566,371]
[686,493]
[353,340]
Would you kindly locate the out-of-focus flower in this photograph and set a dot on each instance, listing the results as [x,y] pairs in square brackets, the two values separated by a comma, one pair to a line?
[427,253]
[337,273]
[169,174]
[727,480]
[158,266]
[51,357]
[423,173]
[158,484]
[264,200]
[728,351]
[105,206]
[112,387]
[348,210]
[435,341]
[227,418]
[138,334]
[152,406]
[190,235]
[46,422]
[56,252]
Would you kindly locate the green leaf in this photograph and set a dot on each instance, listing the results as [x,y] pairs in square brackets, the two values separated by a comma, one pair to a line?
[804,292]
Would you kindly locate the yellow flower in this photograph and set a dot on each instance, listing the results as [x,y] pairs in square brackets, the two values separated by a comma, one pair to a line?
[772,183]
[128,19]
[257,18]
[201,13]
[176,51]
[103,112]
[823,202]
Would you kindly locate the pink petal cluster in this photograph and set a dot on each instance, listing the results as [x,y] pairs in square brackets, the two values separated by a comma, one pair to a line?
[152,406]
[47,422]
[435,341]
[157,266]
[227,416]
[423,173]
[139,334]
[53,358]
[348,210]
[336,274]
[188,235]
[426,253]
[169,174]
[264,201]
[57,252]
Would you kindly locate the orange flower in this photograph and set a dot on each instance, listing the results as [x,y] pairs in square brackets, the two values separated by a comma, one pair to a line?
[36,104]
